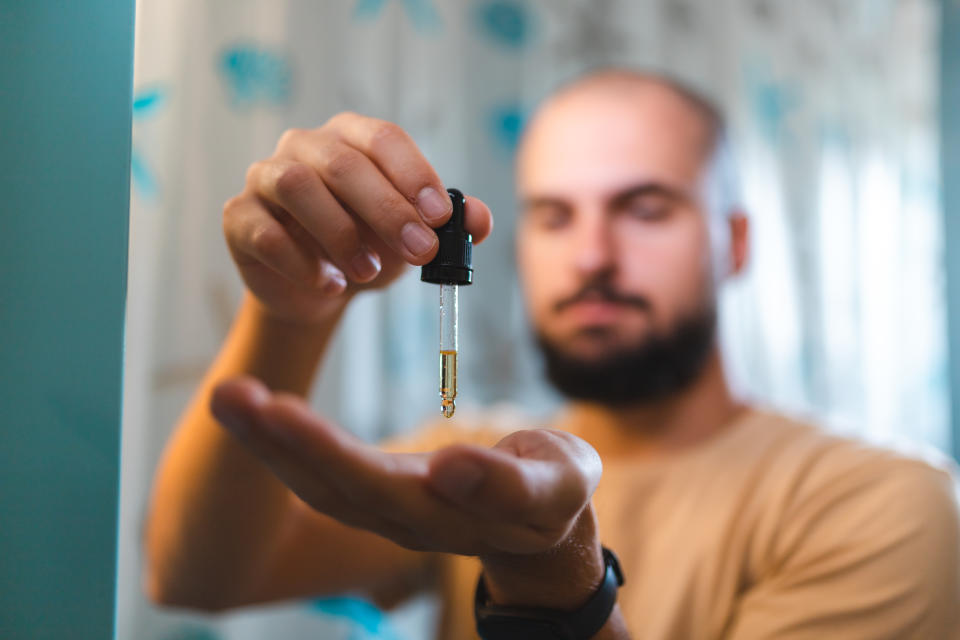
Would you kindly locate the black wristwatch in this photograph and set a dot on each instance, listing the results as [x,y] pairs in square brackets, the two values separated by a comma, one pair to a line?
[531,623]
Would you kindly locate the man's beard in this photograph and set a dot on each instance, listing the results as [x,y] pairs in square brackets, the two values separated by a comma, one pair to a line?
[653,369]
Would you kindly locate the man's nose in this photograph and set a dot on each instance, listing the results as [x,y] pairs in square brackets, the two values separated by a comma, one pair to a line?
[594,244]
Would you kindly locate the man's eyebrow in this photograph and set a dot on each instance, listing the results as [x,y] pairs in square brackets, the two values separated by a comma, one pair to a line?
[618,199]
[648,188]
[543,201]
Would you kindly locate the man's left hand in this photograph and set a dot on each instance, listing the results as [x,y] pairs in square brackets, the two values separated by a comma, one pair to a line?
[523,505]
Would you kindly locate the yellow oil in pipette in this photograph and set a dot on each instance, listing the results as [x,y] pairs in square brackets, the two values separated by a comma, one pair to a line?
[448,382]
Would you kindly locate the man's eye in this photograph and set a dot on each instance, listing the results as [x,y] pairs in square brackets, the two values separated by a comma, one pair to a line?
[552,218]
[649,211]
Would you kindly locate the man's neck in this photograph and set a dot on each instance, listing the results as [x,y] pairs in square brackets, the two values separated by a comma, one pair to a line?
[650,430]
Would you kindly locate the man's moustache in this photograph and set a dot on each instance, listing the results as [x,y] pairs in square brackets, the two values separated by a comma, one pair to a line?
[604,293]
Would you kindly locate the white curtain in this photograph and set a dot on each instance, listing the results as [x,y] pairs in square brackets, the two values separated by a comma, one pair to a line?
[832,110]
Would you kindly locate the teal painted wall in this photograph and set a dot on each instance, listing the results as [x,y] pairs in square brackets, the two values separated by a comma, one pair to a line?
[950,167]
[65,107]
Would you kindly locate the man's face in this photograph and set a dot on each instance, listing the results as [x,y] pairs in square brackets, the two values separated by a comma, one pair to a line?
[613,246]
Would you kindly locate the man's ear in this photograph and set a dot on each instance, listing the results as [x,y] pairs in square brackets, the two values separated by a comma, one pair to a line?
[739,241]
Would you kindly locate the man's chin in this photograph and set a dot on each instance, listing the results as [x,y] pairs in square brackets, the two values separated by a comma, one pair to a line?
[606,368]
[588,357]
[592,348]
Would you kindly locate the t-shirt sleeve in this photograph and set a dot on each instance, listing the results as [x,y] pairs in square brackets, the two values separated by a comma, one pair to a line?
[867,551]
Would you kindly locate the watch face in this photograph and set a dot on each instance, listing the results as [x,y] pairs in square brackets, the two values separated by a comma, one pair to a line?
[496,627]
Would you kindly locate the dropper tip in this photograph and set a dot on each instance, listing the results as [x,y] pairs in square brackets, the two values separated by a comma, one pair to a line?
[448,408]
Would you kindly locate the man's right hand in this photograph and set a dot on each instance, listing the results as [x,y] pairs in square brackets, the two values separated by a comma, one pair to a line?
[334,210]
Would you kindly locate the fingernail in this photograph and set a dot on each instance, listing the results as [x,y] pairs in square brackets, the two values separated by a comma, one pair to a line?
[432,205]
[365,265]
[332,279]
[417,238]
[458,481]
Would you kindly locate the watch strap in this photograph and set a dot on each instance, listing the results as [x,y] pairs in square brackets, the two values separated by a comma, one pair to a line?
[496,622]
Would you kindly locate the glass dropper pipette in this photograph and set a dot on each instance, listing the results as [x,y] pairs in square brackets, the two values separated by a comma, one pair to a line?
[448,348]
[452,267]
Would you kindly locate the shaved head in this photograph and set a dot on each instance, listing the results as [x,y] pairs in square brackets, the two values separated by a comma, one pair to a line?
[620,82]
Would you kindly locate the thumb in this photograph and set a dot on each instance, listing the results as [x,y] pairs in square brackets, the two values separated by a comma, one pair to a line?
[534,477]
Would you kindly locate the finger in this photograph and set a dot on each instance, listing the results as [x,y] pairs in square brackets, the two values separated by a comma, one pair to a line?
[545,493]
[297,188]
[323,466]
[477,219]
[240,404]
[357,182]
[327,468]
[235,403]
[363,473]
[400,160]
[254,234]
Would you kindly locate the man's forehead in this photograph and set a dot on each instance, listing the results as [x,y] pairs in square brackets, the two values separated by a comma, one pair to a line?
[612,134]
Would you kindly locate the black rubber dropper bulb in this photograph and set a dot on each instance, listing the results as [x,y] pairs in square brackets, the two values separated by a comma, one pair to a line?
[453,263]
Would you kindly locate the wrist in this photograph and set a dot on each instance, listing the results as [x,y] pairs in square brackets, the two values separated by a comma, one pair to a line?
[283,354]
[328,316]
[562,578]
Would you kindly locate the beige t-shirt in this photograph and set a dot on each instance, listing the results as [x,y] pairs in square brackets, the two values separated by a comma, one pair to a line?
[770,529]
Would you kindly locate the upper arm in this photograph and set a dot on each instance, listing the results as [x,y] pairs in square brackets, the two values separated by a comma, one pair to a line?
[869,555]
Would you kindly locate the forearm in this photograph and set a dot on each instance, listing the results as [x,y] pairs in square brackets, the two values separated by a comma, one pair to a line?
[215,509]
[563,578]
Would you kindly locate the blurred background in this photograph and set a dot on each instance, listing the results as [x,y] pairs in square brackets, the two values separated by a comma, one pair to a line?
[833,109]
